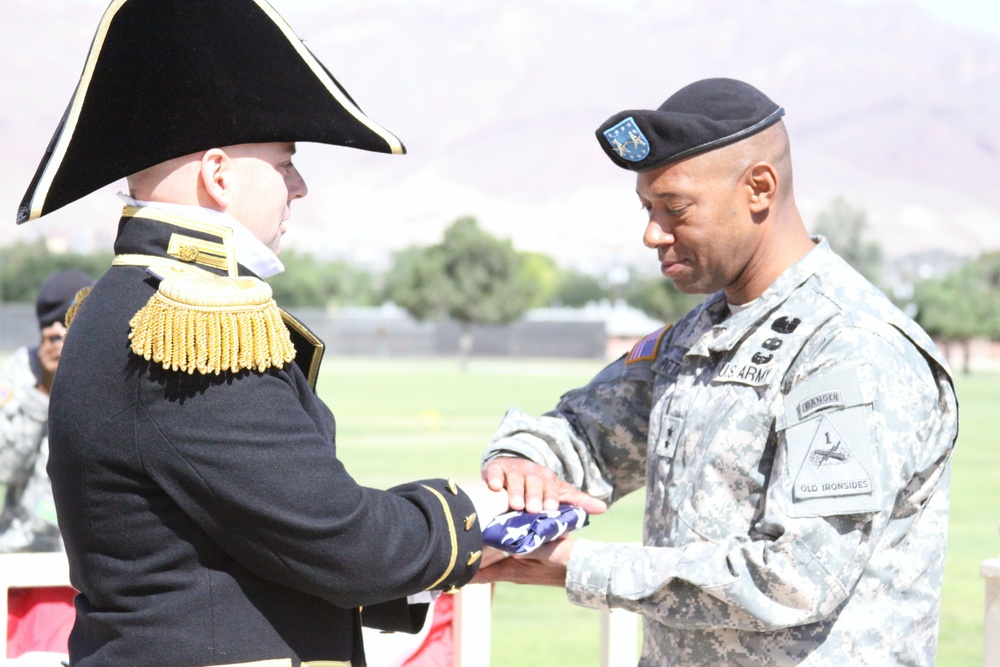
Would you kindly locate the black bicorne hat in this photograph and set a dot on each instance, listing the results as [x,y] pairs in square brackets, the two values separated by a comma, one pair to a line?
[698,118]
[166,78]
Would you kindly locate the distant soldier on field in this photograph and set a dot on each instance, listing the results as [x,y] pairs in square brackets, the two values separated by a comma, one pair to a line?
[28,519]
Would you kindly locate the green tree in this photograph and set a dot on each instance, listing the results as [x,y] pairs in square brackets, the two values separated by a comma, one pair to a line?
[24,266]
[576,289]
[471,277]
[659,298]
[541,274]
[846,228]
[311,282]
[418,283]
[962,306]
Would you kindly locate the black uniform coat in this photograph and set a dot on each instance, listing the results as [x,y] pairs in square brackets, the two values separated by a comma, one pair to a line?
[207,518]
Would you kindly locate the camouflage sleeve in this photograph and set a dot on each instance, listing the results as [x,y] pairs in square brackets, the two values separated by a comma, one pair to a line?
[595,438]
[23,418]
[814,538]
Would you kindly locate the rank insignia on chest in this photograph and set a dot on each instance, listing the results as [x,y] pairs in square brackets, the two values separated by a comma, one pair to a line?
[763,357]
[669,436]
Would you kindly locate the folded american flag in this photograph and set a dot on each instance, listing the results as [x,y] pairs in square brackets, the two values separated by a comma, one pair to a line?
[523,532]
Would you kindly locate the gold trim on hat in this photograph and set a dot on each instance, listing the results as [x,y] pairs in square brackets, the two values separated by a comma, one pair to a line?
[72,115]
[388,137]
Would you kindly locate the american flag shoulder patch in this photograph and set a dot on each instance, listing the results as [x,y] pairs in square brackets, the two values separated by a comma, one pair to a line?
[645,349]
[6,393]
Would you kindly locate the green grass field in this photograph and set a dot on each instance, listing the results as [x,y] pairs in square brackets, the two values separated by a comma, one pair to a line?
[400,420]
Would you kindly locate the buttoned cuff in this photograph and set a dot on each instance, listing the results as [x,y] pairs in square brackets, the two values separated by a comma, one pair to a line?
[462,527]
[589,572]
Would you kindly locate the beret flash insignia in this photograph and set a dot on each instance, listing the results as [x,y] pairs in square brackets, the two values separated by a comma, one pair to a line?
[628,140]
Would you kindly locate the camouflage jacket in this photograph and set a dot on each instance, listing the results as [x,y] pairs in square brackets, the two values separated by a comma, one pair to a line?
[28,519]
[795,456]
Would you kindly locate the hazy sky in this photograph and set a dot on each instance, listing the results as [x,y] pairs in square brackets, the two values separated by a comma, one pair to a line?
[981,15]
[424,194]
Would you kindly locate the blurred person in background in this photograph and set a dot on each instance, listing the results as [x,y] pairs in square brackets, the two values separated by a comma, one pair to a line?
[38,619]
[28,520]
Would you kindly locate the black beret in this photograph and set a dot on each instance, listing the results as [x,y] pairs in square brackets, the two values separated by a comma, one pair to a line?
[56,295]
[698,118]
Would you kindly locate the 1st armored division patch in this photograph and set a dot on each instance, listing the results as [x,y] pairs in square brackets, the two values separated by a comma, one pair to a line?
[832,456]
[831,467]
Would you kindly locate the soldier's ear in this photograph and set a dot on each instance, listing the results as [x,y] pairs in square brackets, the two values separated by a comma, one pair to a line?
[215,178]
[762,186]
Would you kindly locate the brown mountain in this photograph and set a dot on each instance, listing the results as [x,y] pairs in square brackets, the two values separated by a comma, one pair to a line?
[497,103]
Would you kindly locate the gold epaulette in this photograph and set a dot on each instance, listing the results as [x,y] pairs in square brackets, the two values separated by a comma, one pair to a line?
[198,321]
[75,306]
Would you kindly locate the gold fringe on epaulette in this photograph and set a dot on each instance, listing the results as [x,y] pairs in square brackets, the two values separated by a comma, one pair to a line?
[211,325]
[75,306]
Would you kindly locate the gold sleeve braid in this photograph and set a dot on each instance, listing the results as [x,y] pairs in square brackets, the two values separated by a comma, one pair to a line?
[211,324]
[452,533]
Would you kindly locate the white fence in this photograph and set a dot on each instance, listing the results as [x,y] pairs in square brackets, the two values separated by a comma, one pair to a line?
[990,569]
[619,630]
[471,621]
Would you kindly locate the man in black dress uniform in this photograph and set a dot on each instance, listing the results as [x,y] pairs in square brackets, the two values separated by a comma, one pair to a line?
[206,517]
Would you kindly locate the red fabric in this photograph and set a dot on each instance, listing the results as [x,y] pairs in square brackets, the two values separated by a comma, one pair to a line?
[39,619]
[436,650]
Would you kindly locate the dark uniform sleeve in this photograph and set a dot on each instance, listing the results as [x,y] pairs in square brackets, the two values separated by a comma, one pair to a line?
[251,460]
[596,436]
[395,616]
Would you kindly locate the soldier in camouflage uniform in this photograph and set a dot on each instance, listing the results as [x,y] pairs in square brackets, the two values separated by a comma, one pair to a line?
[793,432]
[28,519]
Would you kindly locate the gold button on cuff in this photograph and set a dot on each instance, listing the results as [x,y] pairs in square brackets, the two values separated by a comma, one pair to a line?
[474,556]
[470,520]
[453,487]
[452,590]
